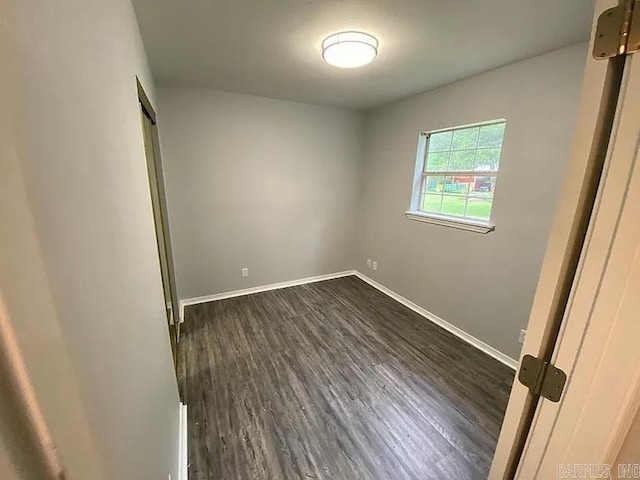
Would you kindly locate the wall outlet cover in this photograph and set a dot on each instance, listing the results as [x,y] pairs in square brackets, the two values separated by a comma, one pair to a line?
[374,265]
[245,272]
[523,333]
[368,262]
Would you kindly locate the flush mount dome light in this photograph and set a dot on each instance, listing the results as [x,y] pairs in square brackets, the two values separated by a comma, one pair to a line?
[349,49]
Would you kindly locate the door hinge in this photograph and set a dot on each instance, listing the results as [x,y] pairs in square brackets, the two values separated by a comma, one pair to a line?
[618,31]
[542,378]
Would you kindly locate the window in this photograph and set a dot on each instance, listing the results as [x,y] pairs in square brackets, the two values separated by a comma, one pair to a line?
[456,172]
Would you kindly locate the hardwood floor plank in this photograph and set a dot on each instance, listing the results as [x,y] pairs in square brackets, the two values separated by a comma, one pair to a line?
[335,380]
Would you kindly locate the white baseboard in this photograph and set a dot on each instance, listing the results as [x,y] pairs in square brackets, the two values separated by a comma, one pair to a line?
[480,345]
[470,339]
[183,457]
[261,288]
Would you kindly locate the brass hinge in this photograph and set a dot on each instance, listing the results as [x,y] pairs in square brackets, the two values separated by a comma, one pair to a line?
[542,378]
[618,31]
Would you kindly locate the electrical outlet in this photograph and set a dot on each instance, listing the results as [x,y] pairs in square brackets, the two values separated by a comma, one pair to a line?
[169,476]
[374,265]
[522,335]
[245,272]
[368,263]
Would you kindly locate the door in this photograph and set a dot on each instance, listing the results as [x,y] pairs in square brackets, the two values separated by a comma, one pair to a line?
[584,317]
[159,204]
[598,344]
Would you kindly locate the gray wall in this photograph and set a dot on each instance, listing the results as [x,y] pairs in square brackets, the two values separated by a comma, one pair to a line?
[78,264]
[292,190]
[258,183]
[25,292]
[483,284]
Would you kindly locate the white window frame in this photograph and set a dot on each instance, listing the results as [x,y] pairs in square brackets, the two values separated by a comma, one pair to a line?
[463,223]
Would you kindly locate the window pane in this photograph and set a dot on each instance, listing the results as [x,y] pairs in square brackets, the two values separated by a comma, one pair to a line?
[462,160]
[439,142]
[431,203]
[453,205]
[482,186]
[471,158]
[488,159]
[465,139]
[481,197]
[479,207]
[432,184]
[437,161]
[457,185]
[491,135]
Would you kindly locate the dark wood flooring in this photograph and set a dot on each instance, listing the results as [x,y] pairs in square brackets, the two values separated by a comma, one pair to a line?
[334,380]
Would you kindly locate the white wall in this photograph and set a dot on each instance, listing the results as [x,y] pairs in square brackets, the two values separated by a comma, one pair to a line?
[79,270]
[259,183]
[483,284]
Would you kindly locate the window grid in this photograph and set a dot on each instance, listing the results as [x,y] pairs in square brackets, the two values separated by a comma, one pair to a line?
[479,183]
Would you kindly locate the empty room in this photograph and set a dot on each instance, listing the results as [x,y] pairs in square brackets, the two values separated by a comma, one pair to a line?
[339,240]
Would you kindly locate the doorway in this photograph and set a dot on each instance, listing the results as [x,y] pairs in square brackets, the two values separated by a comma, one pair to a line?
[160,217]
[584,317]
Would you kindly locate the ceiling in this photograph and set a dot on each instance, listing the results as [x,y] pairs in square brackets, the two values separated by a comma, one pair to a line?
[272,47]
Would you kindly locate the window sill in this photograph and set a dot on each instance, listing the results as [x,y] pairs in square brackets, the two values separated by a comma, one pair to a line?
[477,226]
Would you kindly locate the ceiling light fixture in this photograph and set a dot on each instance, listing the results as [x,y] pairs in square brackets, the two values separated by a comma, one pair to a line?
[349,49]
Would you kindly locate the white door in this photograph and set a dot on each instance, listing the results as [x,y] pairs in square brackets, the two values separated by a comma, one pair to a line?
[601,324]
[598,346]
